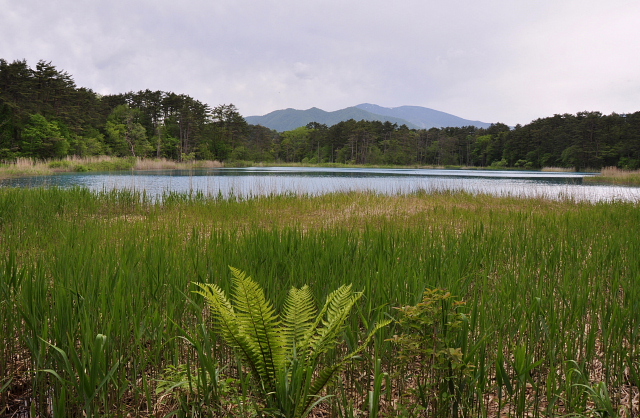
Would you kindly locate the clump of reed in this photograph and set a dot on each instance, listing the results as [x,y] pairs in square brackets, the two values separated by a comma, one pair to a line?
[24,166]
[31,166]
[96,287]
[615,175]
[165,164]
[558,169]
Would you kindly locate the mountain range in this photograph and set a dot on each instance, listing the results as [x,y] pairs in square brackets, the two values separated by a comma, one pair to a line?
[415,117]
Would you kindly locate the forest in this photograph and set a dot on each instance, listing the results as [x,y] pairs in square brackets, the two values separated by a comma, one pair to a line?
[44,115]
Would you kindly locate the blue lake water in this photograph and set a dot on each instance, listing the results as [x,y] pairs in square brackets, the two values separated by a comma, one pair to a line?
[255,181]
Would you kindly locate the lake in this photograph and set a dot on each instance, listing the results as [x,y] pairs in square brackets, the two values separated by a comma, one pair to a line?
[255,181]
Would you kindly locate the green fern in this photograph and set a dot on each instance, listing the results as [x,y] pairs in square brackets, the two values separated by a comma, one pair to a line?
[299,314]
[284,354]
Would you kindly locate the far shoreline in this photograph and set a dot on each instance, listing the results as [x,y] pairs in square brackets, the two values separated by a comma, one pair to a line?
[25,167]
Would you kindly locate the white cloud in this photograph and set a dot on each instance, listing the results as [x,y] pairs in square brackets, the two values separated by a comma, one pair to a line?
[492,60]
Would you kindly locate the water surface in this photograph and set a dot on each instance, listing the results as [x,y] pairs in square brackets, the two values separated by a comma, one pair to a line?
[255,181]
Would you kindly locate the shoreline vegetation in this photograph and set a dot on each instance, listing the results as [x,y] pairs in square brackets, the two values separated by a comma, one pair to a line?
[616,176]
[33,167]
[44,115]
[509,306]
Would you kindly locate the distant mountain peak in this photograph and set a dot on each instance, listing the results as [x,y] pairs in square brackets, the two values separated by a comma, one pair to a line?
[424,117]
[415,117]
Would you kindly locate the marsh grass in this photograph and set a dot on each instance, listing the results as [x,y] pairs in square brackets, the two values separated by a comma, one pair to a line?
[23,166]
[164,164]
[550,288]
[558,169]
[614,175]
[33,167]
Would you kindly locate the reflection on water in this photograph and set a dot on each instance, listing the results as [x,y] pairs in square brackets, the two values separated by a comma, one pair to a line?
[255,181]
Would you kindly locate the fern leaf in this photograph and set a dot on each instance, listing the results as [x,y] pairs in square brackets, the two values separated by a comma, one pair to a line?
[333,298]
[222,310]
[338,300]
[227,322]
[299,313]
[260,325]
[338,307]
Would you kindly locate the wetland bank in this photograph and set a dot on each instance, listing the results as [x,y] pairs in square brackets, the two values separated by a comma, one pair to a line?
[539,314]
[157,178]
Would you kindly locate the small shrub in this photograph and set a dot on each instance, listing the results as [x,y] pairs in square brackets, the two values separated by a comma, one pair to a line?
[499,164]
[81,168]
[431,353]
[61,164]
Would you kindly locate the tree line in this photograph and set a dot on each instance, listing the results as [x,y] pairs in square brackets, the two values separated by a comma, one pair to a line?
[44,115]
[583,140]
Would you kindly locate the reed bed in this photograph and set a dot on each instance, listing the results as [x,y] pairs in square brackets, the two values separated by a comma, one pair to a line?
[34,167]
[97,312]
[559,169]
[24,166]
[614,175]
[164,164]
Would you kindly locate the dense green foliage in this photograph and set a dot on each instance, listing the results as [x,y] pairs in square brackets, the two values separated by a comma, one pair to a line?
[44,115]
[97,287]
[584,140]
[433,354]
[284,352]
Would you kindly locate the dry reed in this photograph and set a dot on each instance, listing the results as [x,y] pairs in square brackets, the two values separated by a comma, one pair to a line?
[615,175]
[558,169]
[30,166]
[164,164]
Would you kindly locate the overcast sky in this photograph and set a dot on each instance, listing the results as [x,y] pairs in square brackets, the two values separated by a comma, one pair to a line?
[509,61]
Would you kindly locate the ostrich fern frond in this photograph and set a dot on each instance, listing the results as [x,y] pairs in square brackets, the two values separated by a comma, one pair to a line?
[299,314]
[260,325]
[284,354]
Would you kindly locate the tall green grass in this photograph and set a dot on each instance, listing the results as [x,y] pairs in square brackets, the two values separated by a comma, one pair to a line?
[96,293]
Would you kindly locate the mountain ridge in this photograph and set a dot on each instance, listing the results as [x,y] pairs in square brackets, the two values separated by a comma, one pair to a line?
[423,117]
[414,117]
[289,119]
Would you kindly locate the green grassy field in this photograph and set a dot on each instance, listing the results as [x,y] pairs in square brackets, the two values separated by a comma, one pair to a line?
[98,315]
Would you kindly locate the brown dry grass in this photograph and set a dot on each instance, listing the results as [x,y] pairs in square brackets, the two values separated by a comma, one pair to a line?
[34,167]
[617,172]
[358,211]
[558,169]
[614,175]
[164,164]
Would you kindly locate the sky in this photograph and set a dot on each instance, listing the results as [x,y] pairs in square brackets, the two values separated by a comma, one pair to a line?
[509,61]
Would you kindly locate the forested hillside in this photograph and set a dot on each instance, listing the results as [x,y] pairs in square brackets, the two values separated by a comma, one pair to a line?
[44,115]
